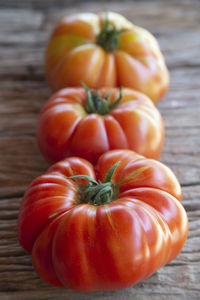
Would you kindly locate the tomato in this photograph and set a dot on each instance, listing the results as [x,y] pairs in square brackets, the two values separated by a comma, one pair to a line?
[105,50]
[102,228]
[87,123]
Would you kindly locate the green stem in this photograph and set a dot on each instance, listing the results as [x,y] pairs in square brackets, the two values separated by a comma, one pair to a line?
[108,38]
[98,193]
[98,105]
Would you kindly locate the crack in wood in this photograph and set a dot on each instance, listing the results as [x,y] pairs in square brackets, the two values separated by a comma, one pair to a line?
[190,184]
[23,35]
[11,196]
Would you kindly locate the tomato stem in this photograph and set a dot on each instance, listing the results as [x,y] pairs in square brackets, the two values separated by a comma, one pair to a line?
[108,38]
[98,193]
[98,105]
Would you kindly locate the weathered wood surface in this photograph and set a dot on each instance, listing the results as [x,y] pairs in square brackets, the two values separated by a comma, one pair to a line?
[23,91]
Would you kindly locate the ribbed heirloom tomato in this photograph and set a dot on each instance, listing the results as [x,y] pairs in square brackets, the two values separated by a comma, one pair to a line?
[105,229]
[105,50]
[87,123]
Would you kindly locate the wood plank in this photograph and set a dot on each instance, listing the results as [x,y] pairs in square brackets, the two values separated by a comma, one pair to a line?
[13,259]
[24,100]
[20,21]
[23,91]
[161,16]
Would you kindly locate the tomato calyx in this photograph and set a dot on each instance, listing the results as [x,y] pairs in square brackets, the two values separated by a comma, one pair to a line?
[98,193]
[98,105]
[108,38]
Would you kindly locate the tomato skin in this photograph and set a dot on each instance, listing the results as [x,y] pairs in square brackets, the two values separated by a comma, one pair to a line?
[65,129]
[73,55]
[110,246]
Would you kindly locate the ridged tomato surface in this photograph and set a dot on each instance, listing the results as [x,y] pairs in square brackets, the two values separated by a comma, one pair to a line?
[130,58]
[113,245]
[66,129]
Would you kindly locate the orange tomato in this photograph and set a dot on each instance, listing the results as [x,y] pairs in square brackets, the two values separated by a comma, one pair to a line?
[105,233]
[88,123]
[105,50]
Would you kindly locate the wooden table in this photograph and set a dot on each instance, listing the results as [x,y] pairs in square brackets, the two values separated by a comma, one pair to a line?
[23,91]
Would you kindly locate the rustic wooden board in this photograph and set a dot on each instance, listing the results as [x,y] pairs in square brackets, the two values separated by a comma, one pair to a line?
[23,91]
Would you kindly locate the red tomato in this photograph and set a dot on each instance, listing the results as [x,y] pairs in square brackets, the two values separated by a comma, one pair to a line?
[70,125]
[106,234]
[105,50]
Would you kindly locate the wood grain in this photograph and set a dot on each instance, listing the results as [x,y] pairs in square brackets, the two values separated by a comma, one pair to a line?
[23,91]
